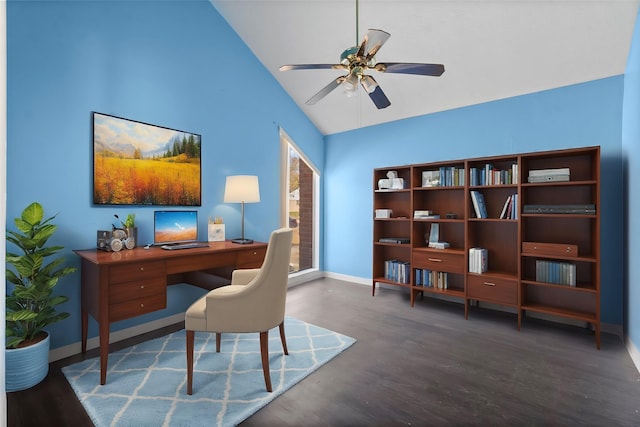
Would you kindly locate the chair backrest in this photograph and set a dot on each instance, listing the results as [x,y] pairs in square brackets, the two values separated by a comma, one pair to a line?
[263,298]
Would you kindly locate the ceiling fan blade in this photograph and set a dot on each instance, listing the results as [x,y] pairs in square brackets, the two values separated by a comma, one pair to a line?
[325,90]
[313,67]
[409,68]
[379,98]
[372,42]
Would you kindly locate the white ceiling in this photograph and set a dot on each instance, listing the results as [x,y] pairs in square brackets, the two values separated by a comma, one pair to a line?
[491,49]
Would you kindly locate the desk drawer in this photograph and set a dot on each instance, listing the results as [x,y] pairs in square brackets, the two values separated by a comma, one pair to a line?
[251,258]
[137,307]
[137,271]
[492,289]
[122,292]
[436,261]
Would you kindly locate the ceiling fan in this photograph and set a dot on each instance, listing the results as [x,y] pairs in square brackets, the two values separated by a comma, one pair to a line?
[357,60]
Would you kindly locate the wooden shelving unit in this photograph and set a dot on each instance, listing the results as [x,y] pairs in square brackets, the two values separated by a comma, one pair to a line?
[513,276]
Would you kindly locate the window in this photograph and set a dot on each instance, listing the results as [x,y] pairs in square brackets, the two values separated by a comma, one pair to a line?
[300,205]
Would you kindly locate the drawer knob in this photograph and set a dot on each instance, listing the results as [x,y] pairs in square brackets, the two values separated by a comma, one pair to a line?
[489,284]
[141,268]
[141,286]
[435,260]
[141,305]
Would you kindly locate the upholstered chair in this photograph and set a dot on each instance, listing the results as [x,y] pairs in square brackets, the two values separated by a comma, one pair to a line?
[254,302]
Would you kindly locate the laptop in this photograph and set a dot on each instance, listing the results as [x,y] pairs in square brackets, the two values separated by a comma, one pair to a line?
[176,230]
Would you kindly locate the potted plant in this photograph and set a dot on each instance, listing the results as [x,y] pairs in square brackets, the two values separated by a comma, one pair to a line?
[31,304]
[129,224]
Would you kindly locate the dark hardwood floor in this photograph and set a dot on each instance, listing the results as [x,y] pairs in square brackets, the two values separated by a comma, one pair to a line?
[425,365]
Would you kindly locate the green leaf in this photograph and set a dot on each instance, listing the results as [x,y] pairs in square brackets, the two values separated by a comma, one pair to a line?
[14,342]
[22,315]
[33,214]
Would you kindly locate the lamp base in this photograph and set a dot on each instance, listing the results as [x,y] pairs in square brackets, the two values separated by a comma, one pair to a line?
[241,241]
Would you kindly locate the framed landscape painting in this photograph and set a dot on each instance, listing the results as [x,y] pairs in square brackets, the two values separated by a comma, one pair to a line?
[136,163]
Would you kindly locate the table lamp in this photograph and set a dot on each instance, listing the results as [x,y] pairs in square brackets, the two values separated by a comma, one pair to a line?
[242,189]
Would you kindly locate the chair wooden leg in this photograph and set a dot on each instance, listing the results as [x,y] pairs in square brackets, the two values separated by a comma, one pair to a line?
[283,338]
[218,339]
[190,338]
[264,352]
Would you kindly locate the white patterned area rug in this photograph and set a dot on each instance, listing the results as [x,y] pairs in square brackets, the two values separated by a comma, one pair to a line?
[147,385]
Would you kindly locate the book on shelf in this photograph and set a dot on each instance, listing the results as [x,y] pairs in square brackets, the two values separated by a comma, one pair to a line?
[555,272]
[424,214]
[478,260]
[505,208]
[511,205]
[439,245]
[478,204]
[434,233]
[394,240]
[451,176]
[397,271]
[431,279]
[587,209]
[490,175]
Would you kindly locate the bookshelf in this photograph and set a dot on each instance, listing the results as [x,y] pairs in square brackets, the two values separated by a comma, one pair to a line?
[541,232]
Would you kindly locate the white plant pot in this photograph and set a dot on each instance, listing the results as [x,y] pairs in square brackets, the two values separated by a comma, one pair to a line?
[27,366]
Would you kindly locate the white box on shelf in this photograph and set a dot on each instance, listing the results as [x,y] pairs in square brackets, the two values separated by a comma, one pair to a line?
[384,213]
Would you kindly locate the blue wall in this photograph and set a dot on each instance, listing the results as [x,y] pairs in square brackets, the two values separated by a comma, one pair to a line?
[574,116]
[175,64]
[631,149]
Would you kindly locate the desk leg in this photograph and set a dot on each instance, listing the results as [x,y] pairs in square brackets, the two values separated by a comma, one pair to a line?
[104,350]
[85,327]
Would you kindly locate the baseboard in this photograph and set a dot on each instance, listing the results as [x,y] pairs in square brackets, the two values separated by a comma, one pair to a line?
[346,278]
[76,348]
[304,276]
[634,353]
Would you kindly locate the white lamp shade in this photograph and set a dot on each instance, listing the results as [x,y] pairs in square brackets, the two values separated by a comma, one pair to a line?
[242,188]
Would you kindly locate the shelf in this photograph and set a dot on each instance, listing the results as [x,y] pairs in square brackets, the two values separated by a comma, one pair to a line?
[443,187]
[396,219]
[492,186]
[566,258]
[396,245]
[578,288]
[506,221]
[399,190]
[450,220]
[573,314]
[558,183]
[391,282]
[452,292]
[548,215]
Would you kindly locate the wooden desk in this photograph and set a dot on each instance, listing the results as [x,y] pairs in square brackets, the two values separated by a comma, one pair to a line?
[129,283]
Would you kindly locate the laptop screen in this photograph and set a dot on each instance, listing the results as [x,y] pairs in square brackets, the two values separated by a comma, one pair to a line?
[175,227]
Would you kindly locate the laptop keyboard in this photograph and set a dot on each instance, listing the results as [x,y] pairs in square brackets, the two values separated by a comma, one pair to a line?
[185,246]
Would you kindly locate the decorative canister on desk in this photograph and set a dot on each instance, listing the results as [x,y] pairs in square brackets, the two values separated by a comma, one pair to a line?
[216,230]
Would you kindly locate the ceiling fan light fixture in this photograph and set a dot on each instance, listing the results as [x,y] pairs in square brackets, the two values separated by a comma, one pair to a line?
[350,85]
[369,84]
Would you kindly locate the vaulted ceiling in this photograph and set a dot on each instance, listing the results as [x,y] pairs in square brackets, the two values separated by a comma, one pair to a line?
[491,49]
